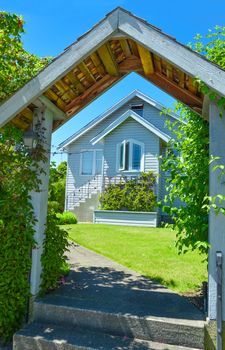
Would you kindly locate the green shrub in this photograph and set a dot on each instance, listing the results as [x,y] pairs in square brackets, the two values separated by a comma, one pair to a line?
[133,195]
[54,261]
[66,218]
[53,206]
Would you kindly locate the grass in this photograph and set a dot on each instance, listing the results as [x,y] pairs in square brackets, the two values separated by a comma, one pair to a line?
[149,251]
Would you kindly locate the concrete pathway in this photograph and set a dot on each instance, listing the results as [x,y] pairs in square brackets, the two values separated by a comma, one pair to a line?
[100,284]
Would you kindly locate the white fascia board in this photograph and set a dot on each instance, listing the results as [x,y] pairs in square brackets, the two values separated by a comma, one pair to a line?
[179,55]
[59,67]
[136,117]
[101,117]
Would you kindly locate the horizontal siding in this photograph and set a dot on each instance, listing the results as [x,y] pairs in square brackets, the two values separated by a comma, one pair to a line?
[125,218]
[74,179]
[130,129]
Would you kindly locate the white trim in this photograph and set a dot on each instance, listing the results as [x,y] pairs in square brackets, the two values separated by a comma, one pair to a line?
[190,62]
[118,21]
[108,112]
[137,118]
[94,151]
[130,169]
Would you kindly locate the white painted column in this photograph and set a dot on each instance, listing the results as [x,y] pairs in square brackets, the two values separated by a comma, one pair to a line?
[40,199]
[216,222]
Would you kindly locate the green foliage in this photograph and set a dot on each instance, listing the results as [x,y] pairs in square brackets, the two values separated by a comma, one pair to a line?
[188,178]
[66,218]
[17,66]
[187,168]
[53,258]
[57,186]
[133,195]
[17,178]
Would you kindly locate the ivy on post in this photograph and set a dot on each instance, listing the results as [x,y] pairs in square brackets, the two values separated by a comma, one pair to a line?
[43,119]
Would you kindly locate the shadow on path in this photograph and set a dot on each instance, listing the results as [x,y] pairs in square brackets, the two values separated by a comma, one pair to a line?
[100,284]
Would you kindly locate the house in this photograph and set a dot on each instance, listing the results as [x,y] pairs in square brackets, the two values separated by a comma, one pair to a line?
[119,144]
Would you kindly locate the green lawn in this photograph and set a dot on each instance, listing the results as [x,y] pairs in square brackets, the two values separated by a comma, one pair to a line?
[149,251]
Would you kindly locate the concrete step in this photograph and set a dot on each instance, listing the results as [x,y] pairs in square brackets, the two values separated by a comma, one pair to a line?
[51,337]
[181,332]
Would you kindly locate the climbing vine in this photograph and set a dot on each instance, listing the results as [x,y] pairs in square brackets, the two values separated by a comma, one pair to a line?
[18,176]
[187,166]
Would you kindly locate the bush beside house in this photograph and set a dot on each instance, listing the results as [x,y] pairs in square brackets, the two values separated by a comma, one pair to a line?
[133,195]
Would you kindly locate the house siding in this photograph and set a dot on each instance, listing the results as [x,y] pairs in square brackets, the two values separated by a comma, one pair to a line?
[130,129]
[80,187]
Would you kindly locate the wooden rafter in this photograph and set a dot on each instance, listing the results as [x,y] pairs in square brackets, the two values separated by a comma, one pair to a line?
[106,55]
[146,60]
[55,99]
[125,47]
[97,62]
[131,64]
[175,90]
[75,82]
[91,93]
[84,69]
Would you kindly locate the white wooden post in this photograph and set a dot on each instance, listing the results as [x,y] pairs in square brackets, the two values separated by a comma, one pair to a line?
[216,222]
[40,199]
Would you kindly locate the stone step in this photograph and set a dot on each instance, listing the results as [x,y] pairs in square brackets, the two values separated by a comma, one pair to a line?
[181,332]
[38,336]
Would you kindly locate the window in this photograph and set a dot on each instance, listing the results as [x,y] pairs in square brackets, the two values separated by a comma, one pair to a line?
[91,162]
[130,155]
[137,108]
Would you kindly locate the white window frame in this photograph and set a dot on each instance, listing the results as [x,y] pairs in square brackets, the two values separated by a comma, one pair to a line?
[130,170]
[93,161]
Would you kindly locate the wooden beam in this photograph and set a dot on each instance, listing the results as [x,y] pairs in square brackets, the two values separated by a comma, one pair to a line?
[64,90]
[133,47]
[27,113]
[125,47]
[157,63]
[58,113]
[169,49]
[131,64]
[169,71]
[176,91]
[97,62]
[91,93]
[55,99]
[76,83]
[192,85]
[107,57]
[181,78]
[146,60]
[21,124]
[59,67]
[84,69]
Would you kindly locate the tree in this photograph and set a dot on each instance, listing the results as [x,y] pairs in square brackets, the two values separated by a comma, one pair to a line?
[17,66]
[189,163]
[57,186]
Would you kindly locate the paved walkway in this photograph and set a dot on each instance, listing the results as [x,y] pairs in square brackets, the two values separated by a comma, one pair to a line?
[97,283]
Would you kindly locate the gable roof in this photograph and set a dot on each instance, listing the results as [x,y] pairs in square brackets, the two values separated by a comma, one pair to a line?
[117,45]
[108,112]
[125,116]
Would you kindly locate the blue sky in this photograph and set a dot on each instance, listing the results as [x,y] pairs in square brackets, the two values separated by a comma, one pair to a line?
[52,25]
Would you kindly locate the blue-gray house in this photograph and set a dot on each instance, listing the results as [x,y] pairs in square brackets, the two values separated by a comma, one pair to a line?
[119,144]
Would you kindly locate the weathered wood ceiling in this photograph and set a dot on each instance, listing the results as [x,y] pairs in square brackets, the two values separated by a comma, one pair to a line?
[106,66]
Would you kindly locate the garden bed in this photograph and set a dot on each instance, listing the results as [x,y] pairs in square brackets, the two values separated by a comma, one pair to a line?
[125,218]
